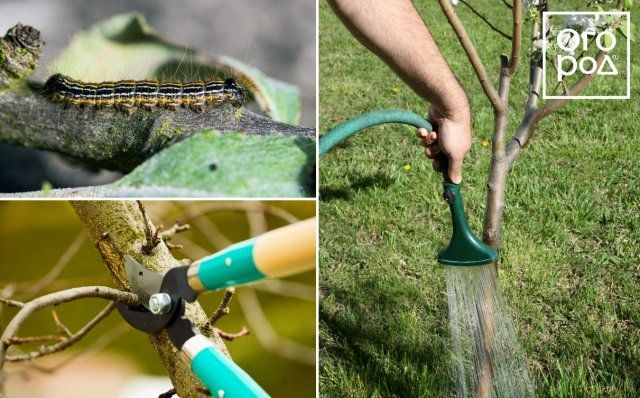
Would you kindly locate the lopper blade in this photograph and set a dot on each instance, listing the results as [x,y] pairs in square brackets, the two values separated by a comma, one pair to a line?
[144,282]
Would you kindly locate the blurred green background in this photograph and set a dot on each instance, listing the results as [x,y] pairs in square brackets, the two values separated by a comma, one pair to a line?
[34,235]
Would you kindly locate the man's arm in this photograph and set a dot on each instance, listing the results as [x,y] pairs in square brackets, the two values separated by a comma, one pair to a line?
[393,30]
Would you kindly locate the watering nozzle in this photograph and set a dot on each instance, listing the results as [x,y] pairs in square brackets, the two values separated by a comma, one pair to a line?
[464,248]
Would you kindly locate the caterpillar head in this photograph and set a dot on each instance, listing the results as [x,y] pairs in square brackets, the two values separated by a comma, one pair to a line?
[56,83]
[233,92]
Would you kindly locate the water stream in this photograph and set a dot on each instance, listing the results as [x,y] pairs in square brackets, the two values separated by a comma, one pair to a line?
[489,361]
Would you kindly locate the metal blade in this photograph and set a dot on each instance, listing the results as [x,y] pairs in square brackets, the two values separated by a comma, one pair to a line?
[141,319]
[144,282]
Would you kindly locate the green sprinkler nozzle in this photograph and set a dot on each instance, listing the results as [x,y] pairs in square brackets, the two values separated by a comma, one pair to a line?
[464,248]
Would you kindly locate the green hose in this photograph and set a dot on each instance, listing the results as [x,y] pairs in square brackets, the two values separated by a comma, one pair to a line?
[464,248]
[350,127]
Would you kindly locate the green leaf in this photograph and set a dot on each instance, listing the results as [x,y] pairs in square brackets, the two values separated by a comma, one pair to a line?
[229,164]
[628,4]
[126,47]
[607,41]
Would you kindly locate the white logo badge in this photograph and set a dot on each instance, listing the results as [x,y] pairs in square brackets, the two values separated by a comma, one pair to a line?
[571,44]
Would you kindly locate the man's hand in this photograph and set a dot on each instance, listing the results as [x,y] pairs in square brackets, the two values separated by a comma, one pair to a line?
[393,30]
[452,140]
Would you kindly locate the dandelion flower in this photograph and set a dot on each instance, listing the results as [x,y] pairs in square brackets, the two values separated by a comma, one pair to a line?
[485,143]
[406,167]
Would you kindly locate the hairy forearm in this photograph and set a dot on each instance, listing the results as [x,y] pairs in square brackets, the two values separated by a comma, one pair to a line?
[393,30]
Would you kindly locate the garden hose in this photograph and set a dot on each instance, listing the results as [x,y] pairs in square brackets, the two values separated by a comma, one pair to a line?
[464,247]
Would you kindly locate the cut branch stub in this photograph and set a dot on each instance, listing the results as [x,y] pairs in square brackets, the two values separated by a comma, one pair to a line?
[19,54]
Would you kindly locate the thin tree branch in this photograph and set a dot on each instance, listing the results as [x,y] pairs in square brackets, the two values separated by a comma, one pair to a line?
[95,347]
[267,336]
[507,4]
[150,233]
[202,391]
[232,336]
[516,41]
[62,329]
[298,290]
[12,303]
[65,343]
[57,298]
[168,234]
[56,269]
[223,308]
[17,340]
[178,227]
[472,54]
[482,17]
[168,394]
[530,120]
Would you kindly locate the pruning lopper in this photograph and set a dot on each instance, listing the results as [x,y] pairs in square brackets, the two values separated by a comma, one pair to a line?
[278,253]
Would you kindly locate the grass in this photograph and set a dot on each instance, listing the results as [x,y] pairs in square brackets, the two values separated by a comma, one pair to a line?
[570,262]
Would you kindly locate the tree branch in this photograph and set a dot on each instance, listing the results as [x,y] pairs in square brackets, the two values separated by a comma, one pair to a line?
[150,233]
[223,308]
[472,54]
[169,233]
[57,268]
[482,17]
[67,342]
[516,41]
[531,118]
[17,340]
[57,298]
[11,303]
[232,336]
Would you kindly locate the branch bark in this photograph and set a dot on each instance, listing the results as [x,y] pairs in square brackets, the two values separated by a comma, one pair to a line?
[472,54]
[516,40]
[117,228]
[113,140]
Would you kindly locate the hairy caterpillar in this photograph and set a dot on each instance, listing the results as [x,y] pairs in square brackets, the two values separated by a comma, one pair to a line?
[128,95]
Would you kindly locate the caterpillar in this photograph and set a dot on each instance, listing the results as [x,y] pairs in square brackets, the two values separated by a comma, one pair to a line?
[128,95]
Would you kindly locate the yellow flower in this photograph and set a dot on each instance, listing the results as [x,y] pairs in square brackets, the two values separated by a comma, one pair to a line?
[485,143]
[394,90]
[407,167]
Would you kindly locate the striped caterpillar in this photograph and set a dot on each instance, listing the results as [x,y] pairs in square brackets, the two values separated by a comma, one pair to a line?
[128,95]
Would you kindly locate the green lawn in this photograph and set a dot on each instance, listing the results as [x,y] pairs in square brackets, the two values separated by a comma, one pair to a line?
[570,263]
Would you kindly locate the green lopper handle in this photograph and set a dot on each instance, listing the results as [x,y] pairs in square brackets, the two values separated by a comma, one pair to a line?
[275,254]
[221,376]
[464,248]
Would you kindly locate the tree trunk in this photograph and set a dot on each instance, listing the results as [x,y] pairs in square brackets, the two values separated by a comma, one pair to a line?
[118,228]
